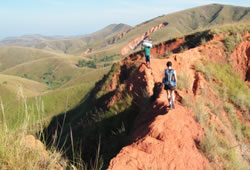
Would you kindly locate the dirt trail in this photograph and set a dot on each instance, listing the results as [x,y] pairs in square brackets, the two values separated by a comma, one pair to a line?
[163,139]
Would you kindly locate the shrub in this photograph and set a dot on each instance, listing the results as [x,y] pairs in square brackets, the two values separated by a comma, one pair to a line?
[84,63]
[184,81]
[231,42]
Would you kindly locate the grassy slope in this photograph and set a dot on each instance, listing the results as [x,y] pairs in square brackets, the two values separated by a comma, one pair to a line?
[181,23]
[30,88]
[12,56]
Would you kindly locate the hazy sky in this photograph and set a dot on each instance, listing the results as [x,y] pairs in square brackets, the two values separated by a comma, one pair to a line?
[78,17]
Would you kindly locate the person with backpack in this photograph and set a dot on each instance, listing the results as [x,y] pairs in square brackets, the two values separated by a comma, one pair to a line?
[169,81]
[147,45]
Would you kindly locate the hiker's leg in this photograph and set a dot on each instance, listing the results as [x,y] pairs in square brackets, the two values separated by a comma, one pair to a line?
[173,96]
[169,97]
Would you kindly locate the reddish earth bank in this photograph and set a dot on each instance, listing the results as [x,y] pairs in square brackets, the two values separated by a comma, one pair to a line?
[240,59]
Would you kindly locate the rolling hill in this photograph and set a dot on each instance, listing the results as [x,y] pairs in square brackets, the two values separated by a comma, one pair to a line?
[31,39]
[174,25]
[30,88]
[13,56]
[64,44]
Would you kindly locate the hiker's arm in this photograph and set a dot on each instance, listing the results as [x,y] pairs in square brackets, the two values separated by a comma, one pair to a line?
[163,78]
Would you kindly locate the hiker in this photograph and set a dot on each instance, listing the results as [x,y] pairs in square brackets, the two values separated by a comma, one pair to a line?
[169,81]
[147,45]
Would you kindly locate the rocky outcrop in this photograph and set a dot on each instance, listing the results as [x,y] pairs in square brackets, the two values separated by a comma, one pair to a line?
[136,42]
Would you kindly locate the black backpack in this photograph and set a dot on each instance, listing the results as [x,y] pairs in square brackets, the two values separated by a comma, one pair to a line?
[169,78]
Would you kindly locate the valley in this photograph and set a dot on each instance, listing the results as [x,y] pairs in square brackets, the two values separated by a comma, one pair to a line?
[94,104]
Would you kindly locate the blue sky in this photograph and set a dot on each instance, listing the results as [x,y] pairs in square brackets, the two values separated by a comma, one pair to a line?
[78,17]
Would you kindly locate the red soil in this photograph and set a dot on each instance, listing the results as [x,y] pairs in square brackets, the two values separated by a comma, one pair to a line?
[163,139]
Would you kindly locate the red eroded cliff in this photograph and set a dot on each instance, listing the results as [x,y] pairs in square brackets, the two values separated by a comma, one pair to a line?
[240,58]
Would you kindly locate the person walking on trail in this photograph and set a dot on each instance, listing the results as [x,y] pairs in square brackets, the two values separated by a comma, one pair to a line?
[169,81]
[147,45]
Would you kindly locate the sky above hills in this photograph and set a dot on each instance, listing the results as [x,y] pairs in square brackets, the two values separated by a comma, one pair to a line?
[78,17]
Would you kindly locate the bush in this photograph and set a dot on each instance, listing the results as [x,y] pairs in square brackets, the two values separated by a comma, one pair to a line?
[84,63]
[231,42]
[184,81]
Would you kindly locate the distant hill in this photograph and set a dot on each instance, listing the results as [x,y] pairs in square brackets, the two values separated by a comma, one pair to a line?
[117,37]
[31,39]
[176,24]
[64,44]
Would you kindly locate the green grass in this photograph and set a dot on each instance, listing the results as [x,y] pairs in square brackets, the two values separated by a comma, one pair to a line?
[217,148]
[107,79]
[30,88]
[230,85]
[198,108]
[230,89]
[52,103]
[54,71]
[13,56]
[232,28]
[231,42]
[240,129]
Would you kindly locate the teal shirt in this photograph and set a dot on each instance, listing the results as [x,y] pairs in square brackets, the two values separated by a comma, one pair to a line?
[147,51]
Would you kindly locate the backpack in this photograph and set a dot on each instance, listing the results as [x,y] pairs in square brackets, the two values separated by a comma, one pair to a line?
[169,76]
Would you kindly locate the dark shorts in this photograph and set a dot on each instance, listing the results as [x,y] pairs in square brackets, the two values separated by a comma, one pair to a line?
[147,58]
[167,87]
